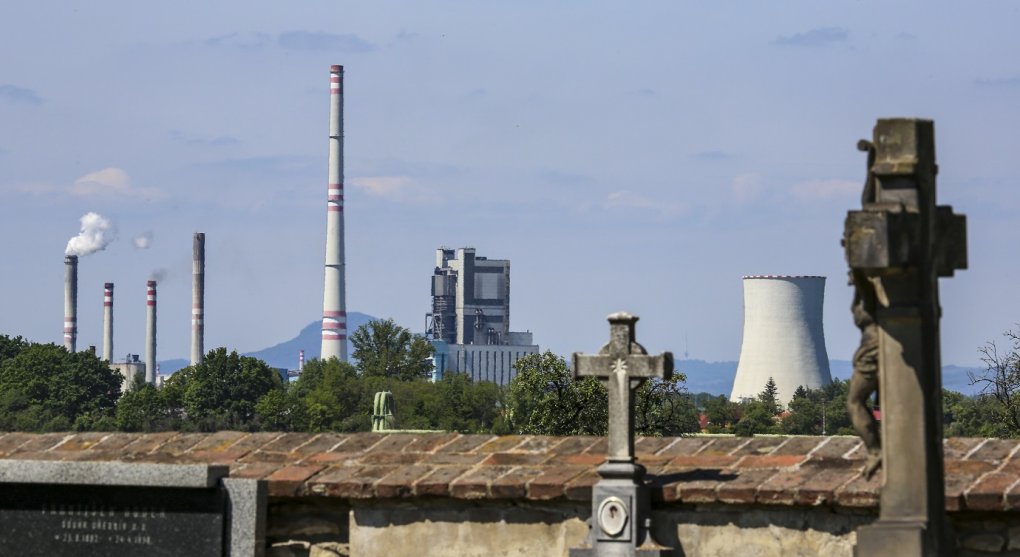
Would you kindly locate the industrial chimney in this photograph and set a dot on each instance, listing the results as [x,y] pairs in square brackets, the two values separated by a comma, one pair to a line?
[108,322]
[198,298]
[334,304]
[150,332]
[301,360]
[783,337]
[70,302]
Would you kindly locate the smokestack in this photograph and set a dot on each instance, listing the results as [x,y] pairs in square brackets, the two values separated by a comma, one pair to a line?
[150,332]
[334,303]
[70,302]
[198,298]
[783,336]
[108,322]
[301,360]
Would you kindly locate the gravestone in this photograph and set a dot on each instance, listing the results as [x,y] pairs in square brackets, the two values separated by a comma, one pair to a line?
[621,510]
[114,509]
[897,246]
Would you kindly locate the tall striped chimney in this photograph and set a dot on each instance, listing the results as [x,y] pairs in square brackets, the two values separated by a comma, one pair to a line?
[150,332]
[70,302]
[301,360]
[108,322]
[783,336]
[334,304]
[198,299]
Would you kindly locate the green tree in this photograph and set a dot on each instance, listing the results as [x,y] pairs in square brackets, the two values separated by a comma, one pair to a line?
[759,415]
[143,408]
[327,396]
[755,418]
[721,413]
[45,388]
[1000,382]
[221,392]
[665,408]
[384,349]
[11,347]
[769,397]
[544,398]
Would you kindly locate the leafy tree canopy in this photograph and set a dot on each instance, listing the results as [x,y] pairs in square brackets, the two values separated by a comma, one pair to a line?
[384,349]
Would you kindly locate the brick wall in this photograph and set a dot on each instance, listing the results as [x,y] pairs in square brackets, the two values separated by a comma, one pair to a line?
[442,494]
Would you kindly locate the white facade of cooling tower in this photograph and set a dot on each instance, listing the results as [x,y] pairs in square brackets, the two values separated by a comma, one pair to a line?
[783,336]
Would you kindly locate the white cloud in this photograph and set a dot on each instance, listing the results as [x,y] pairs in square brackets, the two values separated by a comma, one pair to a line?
[111,181]
[403,189]
[626,199]
[746,187]
[817,190]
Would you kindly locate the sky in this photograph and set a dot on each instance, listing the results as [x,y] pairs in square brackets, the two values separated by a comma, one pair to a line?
[638,156]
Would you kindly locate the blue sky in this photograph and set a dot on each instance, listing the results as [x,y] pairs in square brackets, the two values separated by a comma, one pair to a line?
[639,156]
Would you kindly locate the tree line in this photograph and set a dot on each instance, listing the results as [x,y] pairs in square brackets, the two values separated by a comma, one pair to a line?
[45,388]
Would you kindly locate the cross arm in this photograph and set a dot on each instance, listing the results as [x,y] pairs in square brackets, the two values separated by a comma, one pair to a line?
[638,365]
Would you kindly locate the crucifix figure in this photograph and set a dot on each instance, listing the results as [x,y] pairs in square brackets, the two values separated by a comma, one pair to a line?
[897,246]
[621,516]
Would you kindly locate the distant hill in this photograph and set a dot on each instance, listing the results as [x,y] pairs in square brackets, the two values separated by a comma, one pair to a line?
[717,377]
[285,354]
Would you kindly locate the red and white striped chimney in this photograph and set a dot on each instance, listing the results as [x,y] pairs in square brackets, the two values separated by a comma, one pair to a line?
[108,322]
[198,299]
[70,302]
[334,303]
[150,332]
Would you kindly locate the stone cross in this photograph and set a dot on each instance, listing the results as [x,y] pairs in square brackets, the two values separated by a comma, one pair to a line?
[897,246]
[623,365]
[621,510]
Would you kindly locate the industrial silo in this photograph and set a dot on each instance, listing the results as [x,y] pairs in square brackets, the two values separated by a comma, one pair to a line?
[783,336]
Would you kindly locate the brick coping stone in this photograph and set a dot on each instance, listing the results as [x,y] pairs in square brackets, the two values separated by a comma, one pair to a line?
[981,474]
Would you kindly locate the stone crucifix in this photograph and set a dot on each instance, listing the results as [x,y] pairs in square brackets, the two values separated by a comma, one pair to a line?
[621,517]
[897,246]
[623,365]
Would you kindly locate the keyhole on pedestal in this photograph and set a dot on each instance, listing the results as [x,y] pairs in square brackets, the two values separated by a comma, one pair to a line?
[612,516]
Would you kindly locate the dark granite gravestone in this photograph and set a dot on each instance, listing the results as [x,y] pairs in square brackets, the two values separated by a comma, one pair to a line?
[114,509]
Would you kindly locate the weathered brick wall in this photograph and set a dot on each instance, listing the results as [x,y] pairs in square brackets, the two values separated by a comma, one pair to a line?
[445,494]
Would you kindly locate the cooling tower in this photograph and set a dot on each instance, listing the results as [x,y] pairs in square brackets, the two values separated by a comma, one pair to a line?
[108,322]
[783,337]
[150,332]
[70,302]
[334,304]
[198,298]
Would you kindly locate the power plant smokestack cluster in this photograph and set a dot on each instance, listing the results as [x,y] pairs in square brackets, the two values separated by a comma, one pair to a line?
[783,336]
[198,299]
[334,304]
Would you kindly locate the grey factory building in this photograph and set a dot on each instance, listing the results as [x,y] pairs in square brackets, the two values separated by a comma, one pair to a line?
[470,320]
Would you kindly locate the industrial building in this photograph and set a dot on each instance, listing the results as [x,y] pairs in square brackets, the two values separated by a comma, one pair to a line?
[783,336]
[469,324]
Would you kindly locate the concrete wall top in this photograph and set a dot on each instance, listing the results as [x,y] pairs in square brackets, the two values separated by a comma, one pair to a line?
[981,474]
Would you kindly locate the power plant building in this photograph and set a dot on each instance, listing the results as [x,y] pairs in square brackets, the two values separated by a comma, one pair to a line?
[470,320]
[783,336]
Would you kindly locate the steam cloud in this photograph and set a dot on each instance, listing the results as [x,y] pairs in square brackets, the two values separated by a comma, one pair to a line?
[96,233]
[143,240]
[158,275]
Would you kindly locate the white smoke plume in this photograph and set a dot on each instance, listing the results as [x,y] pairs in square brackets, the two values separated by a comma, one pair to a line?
[143,240]
[96,233]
